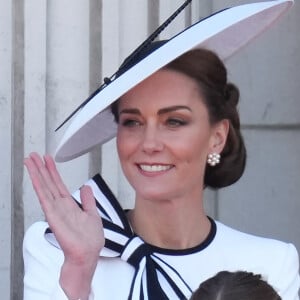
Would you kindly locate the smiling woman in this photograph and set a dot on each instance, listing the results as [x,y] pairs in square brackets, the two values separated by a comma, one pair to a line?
[178,131]
[171,129]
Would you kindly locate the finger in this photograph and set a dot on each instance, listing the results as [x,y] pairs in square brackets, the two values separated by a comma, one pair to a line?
[35,176]
[45,175]
[87,200]
[55,176]
[43,193]
[32,168]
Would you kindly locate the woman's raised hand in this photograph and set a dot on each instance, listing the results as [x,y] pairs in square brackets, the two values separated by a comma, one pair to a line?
[78,231]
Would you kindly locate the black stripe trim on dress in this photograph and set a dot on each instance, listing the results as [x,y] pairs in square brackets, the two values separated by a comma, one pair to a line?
[122,242]
[113,200]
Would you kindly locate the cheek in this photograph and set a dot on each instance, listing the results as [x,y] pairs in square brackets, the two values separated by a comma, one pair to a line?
[125,144]
[193,158]
[192,145]
[121,146]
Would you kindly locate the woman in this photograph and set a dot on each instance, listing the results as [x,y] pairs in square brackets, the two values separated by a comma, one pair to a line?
[168,125]
[178,131]
[235,286]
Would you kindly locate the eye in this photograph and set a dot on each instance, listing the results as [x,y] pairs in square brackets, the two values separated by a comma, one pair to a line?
[130,123]
[175,122]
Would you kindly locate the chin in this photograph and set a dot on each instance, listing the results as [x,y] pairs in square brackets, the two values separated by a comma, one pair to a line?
[155,195]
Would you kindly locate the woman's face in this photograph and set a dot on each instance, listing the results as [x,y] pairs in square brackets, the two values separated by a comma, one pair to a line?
[164,137]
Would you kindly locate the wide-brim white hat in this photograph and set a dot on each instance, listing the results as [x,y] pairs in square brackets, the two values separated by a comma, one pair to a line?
[224,32]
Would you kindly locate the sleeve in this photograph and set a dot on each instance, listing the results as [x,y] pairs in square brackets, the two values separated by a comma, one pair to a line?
[288,276]
[42,263]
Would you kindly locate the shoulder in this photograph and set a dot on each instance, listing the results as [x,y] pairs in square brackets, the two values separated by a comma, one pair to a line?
[276,260]
[34,235]
[36,246]
[42,263]
[241,239]
[35,230]
[256,247]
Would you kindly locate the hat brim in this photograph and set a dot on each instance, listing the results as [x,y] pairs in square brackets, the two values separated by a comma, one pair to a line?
[224,32]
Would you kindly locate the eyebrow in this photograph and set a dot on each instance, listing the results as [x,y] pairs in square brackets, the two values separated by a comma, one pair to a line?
[173,108]
[160,112]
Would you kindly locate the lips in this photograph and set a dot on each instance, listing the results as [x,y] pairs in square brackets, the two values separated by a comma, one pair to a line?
[154,167]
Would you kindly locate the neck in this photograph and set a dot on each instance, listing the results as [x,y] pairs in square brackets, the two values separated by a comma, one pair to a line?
[170,224]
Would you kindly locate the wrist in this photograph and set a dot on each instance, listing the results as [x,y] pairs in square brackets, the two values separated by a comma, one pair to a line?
[76,279]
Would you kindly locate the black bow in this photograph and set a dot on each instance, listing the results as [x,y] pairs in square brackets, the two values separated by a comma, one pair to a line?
[122,242]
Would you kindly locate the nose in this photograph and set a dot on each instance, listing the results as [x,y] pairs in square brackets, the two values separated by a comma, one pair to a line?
[152,141]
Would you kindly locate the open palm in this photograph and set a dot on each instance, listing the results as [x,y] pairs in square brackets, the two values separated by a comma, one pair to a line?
[78,231]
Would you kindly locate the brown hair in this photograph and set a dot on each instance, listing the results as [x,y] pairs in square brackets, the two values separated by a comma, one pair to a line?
[221,99]
[235,286]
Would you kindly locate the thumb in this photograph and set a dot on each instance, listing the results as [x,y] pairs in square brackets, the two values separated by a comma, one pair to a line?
[87,200]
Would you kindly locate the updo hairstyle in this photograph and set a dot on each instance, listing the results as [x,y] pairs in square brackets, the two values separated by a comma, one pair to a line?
[221,99]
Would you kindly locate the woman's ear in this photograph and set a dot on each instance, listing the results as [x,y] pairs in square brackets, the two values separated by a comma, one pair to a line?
[219,136]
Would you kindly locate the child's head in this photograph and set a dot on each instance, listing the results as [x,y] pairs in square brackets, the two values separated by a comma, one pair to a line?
[235,286]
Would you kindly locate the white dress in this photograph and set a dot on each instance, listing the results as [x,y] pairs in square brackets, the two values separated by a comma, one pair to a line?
[117,278]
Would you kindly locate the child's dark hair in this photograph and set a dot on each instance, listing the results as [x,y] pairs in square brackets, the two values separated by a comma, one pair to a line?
[235,286]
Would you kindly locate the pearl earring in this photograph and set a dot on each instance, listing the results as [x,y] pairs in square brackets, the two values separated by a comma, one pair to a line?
[213,159]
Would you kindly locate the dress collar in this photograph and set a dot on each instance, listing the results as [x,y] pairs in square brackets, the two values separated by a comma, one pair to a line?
[120,241]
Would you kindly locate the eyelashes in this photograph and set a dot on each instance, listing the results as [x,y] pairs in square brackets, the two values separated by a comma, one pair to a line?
[169,123]
[130,123]
[176,122]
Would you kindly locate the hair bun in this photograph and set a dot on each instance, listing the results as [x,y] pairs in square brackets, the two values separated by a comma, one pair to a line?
[231,94]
